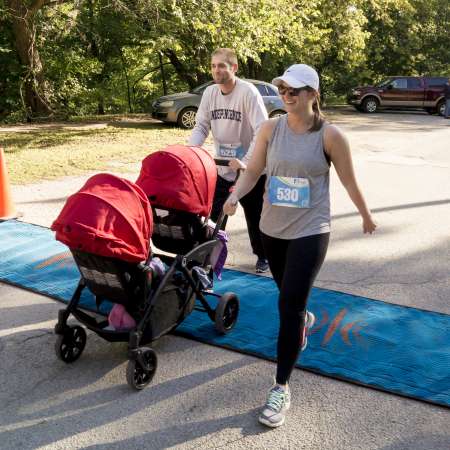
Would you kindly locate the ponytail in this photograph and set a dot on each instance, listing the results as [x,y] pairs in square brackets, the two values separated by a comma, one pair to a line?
[319,117]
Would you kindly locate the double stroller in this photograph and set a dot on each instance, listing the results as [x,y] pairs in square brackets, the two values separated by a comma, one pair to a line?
[109,225]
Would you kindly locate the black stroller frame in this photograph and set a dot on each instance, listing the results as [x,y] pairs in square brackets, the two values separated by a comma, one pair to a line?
[161,309]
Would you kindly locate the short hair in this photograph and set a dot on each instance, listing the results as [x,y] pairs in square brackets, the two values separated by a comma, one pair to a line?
[228,54]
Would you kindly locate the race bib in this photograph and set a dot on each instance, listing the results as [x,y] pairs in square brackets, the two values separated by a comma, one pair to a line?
[230,151]
[290,192]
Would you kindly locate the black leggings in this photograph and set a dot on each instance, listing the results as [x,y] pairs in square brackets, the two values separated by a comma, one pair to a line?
[294,265]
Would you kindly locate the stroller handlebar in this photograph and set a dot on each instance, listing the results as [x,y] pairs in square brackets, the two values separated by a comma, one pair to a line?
[224,163]
[221,161]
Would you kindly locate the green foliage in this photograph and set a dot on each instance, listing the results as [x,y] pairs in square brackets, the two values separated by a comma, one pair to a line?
[407,37]
[10,74]
[103,56]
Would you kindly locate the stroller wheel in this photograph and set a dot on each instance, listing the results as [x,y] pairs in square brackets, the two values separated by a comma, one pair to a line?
[226,312]
[140,371]
[70,345]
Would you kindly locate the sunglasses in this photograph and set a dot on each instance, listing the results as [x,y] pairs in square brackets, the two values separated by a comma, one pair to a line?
[293,92]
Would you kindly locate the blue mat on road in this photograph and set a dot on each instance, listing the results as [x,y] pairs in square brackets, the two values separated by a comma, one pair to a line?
[388,347]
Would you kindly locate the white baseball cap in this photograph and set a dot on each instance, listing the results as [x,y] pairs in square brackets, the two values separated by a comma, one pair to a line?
[299,75]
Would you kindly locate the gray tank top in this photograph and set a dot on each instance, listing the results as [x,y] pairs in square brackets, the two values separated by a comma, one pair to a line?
[297,156]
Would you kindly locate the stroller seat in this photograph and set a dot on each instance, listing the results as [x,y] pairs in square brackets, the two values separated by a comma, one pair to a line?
[179,182]
[178,231]
[113,279]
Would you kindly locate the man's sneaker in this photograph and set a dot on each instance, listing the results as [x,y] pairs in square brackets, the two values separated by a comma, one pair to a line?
[262,265]
[278,402]
[309,322]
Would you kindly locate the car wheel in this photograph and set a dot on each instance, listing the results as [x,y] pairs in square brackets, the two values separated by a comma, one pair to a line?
[369,104]
[186,118]
[441,108]
[277,113]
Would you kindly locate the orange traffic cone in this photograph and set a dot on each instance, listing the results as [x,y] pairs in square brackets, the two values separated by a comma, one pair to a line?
[7,210]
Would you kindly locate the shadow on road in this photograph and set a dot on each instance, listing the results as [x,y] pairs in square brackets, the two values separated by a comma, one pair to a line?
[180,433]
[396,208]
[69,404]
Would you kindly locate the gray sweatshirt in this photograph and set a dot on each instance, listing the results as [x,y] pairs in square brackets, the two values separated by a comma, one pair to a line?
[233,120]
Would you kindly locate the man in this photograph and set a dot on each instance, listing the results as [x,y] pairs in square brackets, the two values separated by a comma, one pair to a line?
[233,110]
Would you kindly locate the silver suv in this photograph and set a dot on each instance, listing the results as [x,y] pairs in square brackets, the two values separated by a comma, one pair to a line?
[182,108]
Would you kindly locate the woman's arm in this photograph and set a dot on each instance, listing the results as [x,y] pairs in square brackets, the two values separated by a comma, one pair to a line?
[338,149]
[255,167]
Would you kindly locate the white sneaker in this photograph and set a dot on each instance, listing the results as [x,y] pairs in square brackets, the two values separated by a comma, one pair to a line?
[309,323]
[278,402]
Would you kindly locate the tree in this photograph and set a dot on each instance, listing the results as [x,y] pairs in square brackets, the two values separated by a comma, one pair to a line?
[408,37]
[10,72]
[106,56]
[35,91]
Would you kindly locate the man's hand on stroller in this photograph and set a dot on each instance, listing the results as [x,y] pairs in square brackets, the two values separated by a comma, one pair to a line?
[230,206]
[237,164]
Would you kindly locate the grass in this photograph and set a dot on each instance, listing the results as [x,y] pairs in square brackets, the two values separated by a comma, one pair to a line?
[45,151]
[48,151]
[334,100]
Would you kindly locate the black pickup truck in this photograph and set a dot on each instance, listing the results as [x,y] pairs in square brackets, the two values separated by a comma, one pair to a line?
[400,93]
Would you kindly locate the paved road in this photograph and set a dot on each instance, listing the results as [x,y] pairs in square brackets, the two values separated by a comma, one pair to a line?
[205,397]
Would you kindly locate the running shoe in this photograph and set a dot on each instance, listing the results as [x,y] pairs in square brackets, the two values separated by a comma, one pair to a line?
[309,323]
[277,404]
[262,265]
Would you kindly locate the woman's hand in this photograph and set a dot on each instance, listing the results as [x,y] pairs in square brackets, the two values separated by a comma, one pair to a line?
[230,206]
[369,225]
[237,164]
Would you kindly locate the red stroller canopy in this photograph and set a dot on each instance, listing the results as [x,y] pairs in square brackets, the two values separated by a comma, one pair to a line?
[180,177]
[109,216]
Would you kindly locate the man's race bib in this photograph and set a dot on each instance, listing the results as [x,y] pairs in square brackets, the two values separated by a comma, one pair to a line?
[230,151]
[288,191]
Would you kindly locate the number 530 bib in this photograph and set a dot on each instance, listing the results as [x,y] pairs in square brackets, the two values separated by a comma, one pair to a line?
[288,191]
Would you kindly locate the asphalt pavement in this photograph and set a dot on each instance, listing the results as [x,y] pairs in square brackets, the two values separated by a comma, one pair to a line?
[204,397]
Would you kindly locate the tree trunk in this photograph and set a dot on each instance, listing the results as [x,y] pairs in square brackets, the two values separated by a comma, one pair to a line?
[163,75]
[101,107]
[94,48]
[36,90]
[180,69]
[127,80]
[251,68]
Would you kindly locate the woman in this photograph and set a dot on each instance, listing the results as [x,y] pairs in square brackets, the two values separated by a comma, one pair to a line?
[296,150]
